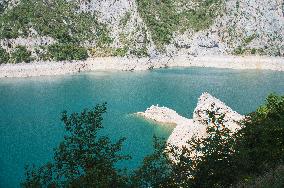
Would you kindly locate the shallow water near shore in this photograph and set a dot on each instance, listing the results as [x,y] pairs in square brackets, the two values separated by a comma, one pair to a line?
[30,108]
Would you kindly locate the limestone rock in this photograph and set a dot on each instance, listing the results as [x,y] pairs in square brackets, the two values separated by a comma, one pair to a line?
[161,115]
[188,128]
[207,102]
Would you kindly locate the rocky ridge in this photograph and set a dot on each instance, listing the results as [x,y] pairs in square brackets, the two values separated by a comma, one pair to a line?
[187,128]
[123,20]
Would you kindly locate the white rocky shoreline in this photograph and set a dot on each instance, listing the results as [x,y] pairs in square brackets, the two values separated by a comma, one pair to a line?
[47,68]
[186,128]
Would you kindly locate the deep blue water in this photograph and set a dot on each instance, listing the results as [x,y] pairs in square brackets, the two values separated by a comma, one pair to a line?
[30,108]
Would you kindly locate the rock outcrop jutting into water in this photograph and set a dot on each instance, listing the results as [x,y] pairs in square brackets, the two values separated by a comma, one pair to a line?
[187,128]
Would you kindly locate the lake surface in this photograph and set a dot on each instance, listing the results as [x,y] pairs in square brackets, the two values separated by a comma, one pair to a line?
[30,108]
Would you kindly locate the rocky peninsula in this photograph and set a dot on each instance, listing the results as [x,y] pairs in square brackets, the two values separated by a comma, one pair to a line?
[187,128]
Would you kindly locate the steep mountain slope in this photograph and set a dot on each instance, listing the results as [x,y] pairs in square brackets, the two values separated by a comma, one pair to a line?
[52,29]
[126,27]
[243,26]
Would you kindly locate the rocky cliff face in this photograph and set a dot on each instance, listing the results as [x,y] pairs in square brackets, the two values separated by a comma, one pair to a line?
[178,27]
[239,26]
[243,26]
[126,27]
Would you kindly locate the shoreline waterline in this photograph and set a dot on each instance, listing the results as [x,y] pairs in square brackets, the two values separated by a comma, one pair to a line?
[48,68]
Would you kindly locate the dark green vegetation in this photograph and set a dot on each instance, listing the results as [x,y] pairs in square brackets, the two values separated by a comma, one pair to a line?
[54,18]
[226,158]
[162,17]
[189,168]
[262,139]
[83,159]
[4,56]
[273,178]
[20,54]
[252,156]
[17,55]
[202,16]
[3,5]
[61,52]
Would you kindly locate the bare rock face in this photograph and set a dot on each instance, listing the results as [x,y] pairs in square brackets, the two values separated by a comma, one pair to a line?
[245,24]
[123,21]
[161,115]
[188,128]
[29,42]
[208,103]
[196,127]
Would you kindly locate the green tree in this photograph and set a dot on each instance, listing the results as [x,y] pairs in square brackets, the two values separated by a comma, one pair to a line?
[260,144]
[214,165]
[156,169]
[83,159]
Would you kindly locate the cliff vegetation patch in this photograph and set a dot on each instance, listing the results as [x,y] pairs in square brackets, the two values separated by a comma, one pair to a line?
[55,18]
[164,17]
[59,19]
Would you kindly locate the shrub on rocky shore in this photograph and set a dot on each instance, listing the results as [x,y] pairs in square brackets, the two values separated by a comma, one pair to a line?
[21,54]
[4,56]
[61,52]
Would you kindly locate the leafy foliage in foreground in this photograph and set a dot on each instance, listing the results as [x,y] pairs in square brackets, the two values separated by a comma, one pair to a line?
[83,159]
[221,159]
[273,178]
[204,164]
[261,142]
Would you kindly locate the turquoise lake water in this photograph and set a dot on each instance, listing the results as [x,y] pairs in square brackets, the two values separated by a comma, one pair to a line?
[30,108]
